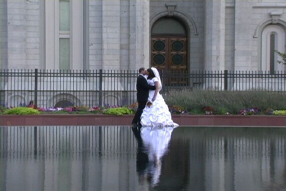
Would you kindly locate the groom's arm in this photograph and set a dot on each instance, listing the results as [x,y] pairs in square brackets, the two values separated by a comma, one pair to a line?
[145,85]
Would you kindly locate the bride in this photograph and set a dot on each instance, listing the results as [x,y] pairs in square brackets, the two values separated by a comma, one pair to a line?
[156,142]
[156,112]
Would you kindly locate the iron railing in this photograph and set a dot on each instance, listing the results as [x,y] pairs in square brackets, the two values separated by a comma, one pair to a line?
[56,88]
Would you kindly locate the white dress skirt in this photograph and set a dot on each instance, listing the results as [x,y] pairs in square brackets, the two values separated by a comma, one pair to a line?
[156,142]
[157,114]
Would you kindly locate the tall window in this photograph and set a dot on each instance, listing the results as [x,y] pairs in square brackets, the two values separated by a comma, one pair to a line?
[64,34]
[273,38]
[272,53]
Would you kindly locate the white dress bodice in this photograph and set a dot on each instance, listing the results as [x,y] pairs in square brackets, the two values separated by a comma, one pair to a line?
[151,92]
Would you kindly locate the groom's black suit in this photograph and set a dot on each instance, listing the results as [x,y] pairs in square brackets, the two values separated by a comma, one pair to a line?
[142,96]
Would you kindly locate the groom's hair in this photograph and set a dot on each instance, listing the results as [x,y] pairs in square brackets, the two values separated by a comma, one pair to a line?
[141,69]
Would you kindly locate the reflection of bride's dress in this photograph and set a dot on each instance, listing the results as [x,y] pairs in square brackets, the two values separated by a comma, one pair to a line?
[158,113]
[155,141]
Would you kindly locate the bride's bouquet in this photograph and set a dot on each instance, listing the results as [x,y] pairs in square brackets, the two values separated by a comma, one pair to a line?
[149,104]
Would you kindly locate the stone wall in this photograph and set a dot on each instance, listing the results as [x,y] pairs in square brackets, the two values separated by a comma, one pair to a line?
[229,40]
[23,34]
[118,34]
[220,33]
[33,34]
[3,34]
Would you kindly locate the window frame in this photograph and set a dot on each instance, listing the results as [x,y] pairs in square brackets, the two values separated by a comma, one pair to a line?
[280,43]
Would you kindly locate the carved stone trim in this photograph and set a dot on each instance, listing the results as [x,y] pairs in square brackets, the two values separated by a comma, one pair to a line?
[171,9]
[189,21]
[263,24]
[275,16]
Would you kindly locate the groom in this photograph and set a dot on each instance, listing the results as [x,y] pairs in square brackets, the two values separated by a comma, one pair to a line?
[142,95]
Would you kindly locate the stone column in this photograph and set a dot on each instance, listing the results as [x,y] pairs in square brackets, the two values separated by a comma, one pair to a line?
[214,35]
[124,33]
[16,34]
[3,34]
[95,34]
[33,34]
[76,34]
[243,34]
[111,34]
[51,39]
[139,48]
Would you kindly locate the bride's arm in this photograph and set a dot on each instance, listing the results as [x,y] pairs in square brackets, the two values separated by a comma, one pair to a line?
[156,91]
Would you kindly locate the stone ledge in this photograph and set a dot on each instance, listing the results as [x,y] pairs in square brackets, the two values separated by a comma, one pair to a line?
[108,120]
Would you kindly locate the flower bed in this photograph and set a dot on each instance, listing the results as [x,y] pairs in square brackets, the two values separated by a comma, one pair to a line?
[194,103]
[115,110]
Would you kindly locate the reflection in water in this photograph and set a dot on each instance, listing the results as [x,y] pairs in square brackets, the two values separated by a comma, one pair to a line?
[118,158]
[152,145]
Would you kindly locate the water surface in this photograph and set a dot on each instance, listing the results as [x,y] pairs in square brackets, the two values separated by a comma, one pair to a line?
[105,158]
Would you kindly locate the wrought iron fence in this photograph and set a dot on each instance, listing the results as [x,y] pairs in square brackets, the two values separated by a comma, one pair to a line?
[55,88]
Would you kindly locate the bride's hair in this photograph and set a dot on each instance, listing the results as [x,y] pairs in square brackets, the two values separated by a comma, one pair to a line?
[151,73]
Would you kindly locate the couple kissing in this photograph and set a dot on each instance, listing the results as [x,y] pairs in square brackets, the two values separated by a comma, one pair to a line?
[152,110]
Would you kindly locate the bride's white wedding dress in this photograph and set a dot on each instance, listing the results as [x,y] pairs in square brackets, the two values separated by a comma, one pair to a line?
[158,113]
[156,141]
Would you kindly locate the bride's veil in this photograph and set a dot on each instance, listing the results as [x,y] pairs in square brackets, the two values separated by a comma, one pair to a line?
[157,75]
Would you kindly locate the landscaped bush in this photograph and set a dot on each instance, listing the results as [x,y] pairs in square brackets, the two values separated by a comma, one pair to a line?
[279,112]
[21,111]
[118,111]
[187,101]
[226,102]
[177,109]
[133,107]
[2,109]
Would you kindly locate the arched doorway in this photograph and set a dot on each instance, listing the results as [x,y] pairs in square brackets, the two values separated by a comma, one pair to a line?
[169,45]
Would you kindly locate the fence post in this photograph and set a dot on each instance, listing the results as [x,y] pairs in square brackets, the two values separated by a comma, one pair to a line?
[225,79]
[35,141]
[36,89]
[100,87]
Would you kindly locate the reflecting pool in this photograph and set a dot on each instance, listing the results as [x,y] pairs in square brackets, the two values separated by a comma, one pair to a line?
[105,158]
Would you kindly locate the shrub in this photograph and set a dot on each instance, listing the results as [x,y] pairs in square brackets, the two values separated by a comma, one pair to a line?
[279,112]
[96,109]
[225,101]
[268,111]
[283,56]
[118,111]
[56,112]
[21,111]
[176,109]
[249,111]
[80,108]
[2,109]
[196,111]
[133,106]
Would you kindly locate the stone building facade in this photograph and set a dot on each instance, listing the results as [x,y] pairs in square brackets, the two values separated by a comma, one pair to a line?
[183,35]
[127,34]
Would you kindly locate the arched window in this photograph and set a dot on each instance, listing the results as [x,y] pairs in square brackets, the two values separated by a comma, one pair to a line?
[168,26]
[273,38]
